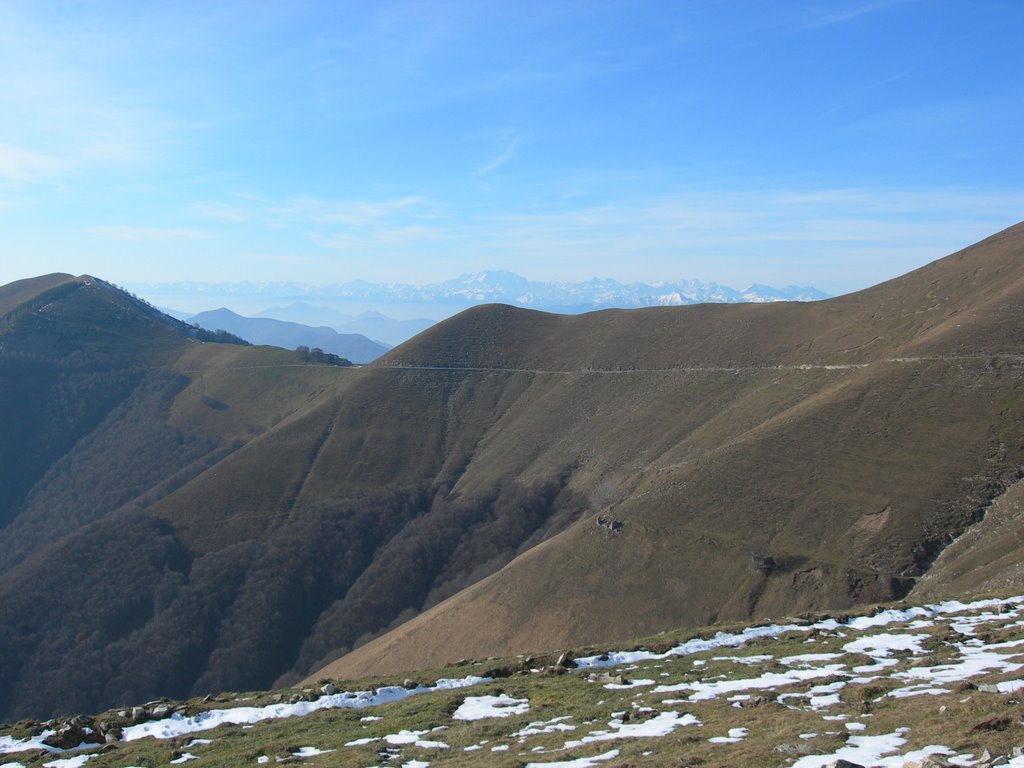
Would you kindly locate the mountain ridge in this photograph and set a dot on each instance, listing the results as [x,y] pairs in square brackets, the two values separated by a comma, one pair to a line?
[511,480]
[289,335]
[472,289]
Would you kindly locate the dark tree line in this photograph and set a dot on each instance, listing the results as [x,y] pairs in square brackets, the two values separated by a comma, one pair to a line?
[128,457]
[317,356]
[143,617]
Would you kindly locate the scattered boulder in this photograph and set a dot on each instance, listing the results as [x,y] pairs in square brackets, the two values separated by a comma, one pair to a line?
[71,733]
[502,671]
[606,678]
[762,562]
[793,750]
[328,689]
[998,723]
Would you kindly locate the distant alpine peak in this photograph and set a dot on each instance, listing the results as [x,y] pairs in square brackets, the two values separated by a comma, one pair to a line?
[502,286]
[761,293]
[511,288]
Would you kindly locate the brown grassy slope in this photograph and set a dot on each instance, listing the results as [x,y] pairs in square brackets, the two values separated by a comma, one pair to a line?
[77,346]
[380,426]
[851,479]
[20,291]
[238,392]
[849,494]
[989,556]
[970,297]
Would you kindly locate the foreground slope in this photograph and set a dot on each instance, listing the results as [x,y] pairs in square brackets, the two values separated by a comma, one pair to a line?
[762,459]
[898,686]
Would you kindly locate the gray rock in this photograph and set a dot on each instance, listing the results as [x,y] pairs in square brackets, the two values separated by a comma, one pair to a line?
[70,735]
[328,689]
[793,750]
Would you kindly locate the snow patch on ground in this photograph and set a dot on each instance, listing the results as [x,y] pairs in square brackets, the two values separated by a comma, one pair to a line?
[413,737]
[735,735]
[69,762]
[310,752]
[548,726]
[580,762]
[630,684]
[863,750]
[481,707]
[662,725]
[178,725]
[704,691]
[885,644]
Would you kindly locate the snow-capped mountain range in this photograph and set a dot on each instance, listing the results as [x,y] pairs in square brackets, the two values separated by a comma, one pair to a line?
[487,287]
[510,288]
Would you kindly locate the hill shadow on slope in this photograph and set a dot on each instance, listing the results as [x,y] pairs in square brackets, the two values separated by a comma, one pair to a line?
[142,616]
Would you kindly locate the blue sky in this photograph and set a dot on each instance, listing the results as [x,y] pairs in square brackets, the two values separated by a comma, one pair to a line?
[834,143]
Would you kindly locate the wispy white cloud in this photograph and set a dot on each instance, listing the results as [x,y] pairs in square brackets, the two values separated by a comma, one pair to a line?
[361,226]
[380,237]
[125,232]
[71,101]
[215,209]
[283,259]
[841,15]
[838,238]
[508,153]
[18,164]
[351,212]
